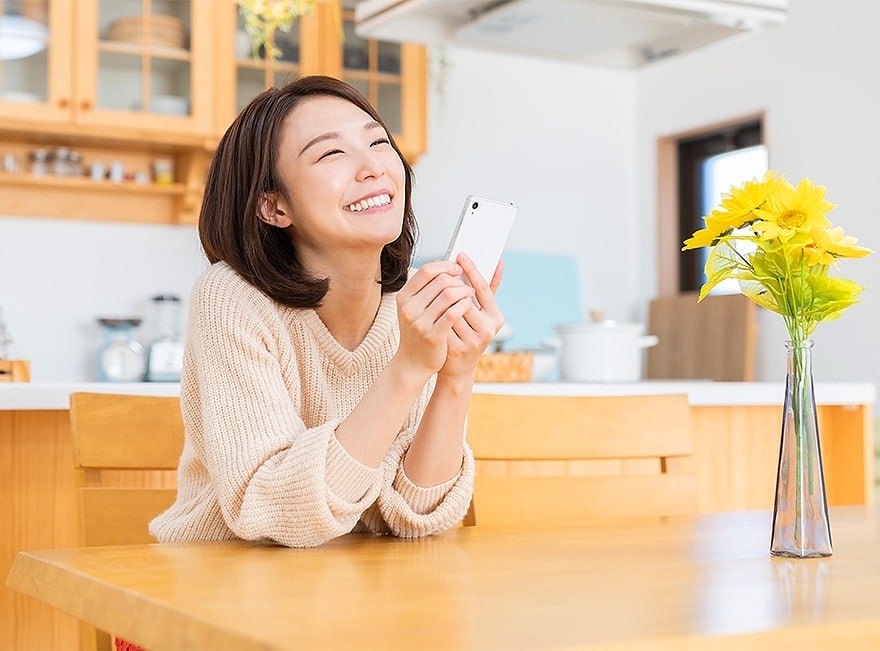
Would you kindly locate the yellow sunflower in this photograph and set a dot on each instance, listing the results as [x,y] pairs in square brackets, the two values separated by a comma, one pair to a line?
[790,210]
[829,244]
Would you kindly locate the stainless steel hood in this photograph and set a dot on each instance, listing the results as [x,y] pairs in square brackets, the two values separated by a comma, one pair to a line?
[618,33]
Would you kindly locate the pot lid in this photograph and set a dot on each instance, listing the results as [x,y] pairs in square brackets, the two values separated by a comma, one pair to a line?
[598,323]
[601,326]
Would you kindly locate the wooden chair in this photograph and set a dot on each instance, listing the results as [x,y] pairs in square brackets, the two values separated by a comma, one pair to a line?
[15,370]
[712,340]
[563,458]
[126,449]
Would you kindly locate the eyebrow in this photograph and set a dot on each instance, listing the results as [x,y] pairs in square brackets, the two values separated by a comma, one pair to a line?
[330,135]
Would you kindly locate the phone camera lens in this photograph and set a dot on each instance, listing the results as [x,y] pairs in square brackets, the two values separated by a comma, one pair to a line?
[474,206]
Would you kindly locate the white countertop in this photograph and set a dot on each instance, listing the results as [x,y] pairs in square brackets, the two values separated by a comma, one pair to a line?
[25,395]
[700,393]
[34,395]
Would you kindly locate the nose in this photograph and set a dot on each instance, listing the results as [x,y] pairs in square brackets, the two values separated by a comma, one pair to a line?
[370,166]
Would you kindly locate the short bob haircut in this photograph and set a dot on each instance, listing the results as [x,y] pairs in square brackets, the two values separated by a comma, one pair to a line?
[243,169]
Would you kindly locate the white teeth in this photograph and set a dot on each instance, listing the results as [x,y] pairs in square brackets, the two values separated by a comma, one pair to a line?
[372,202]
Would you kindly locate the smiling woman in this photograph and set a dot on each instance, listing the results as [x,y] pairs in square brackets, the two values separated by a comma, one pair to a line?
[324,389]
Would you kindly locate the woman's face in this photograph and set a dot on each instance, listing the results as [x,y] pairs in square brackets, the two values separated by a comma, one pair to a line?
[345,182]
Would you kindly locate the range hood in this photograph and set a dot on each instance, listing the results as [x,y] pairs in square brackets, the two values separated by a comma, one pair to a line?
[617,33]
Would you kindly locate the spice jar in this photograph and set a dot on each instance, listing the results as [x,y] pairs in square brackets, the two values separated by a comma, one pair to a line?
[41,161]
[163,171]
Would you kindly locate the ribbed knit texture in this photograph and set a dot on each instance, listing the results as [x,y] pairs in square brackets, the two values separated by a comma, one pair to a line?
[262,391]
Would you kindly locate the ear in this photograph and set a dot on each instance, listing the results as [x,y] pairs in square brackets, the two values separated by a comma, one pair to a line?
[273,210]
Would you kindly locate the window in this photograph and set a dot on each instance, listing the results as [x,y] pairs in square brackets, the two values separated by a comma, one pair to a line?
[708,165]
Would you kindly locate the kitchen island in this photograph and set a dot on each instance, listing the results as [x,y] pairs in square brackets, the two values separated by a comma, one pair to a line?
[736,439]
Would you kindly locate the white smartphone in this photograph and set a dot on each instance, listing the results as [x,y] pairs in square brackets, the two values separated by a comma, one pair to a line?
[482,232]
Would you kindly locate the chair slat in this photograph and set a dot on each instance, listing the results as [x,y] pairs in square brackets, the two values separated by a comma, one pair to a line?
[116,431]
[578,427]
[120,516]
[566,458]
[500,500]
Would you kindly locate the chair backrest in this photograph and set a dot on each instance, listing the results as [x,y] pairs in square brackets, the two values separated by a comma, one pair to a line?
[126,449]
[564,458]
[15,370]
[712,340]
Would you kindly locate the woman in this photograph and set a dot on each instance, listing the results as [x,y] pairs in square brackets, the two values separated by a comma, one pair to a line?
[323,390]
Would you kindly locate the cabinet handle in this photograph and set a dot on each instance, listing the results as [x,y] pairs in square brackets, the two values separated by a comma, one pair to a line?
[86,105]
[63,103]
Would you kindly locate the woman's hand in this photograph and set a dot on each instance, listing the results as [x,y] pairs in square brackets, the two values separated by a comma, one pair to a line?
[429,306]
[472,333]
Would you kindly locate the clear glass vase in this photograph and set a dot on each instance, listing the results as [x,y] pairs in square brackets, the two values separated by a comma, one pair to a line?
[801,528]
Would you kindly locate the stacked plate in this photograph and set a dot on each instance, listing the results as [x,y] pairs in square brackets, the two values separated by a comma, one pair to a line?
[164,30]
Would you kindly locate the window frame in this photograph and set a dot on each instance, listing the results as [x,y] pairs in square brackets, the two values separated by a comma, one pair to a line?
[679,194]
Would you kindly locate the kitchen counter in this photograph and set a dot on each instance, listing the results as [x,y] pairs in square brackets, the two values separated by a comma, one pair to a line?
[24,395]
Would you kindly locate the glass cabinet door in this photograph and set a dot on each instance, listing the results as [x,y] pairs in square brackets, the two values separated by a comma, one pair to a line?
[254,72]
[144,61]
[35,38]
[375,68]
[140,56]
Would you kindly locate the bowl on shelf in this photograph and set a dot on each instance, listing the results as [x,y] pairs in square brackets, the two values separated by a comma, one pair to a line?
[169,105]
[164,30]
[20,97]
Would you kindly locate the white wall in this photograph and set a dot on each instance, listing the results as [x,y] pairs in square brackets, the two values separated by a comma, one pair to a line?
[57,276]
[557,139]
[815,78]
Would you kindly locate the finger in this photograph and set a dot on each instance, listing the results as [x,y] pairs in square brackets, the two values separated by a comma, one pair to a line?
[496,277]
[454,314]
[446,307]
[416,304]
[427,273]
[475,278]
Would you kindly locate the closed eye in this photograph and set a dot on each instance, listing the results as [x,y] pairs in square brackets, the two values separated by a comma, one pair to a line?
[330,153]
[380,141]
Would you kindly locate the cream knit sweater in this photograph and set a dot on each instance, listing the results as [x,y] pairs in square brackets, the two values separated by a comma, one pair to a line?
[263,389]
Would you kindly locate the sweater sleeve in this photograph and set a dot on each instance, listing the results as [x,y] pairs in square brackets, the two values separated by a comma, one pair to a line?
[274,477]
[410,511]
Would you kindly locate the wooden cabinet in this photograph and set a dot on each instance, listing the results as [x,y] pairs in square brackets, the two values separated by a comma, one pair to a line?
[121,84]
[116,70]
[91,83]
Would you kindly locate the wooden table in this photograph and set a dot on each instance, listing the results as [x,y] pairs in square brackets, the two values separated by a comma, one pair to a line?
[698,582]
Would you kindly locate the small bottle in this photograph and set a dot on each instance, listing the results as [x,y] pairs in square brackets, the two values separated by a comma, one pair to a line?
[61,163]
[74,160]
[163,171]
[11,164]
[40,162]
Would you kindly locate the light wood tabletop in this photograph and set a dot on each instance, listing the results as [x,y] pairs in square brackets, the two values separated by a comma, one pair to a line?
[691,582]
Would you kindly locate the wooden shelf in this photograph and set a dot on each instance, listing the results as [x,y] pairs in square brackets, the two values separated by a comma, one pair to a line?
[81,198]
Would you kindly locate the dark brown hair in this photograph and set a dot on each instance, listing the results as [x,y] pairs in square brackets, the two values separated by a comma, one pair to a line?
[244,168]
